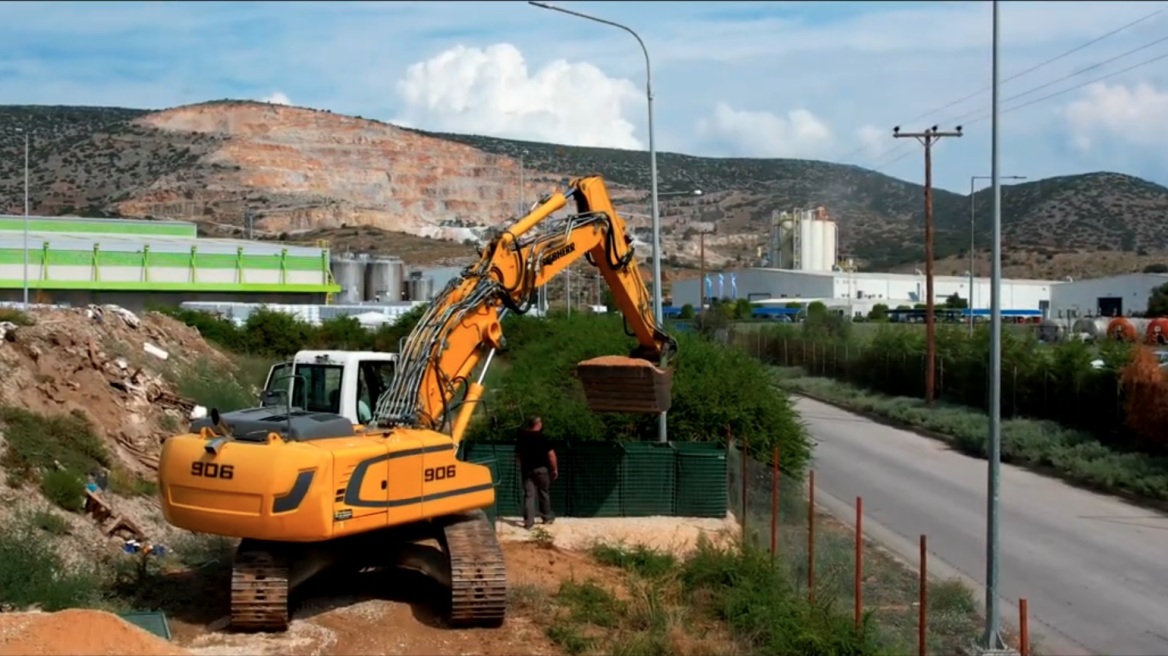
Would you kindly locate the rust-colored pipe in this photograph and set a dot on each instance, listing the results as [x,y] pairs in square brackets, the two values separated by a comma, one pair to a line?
[1023,628]
[774,503]
[811,538]
[859,561]
[923,615]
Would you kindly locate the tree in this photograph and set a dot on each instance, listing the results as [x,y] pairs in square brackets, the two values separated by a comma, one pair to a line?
[687,311]
[743,309]
[955,302]
[1158,302]
[1156,268]
[879,312]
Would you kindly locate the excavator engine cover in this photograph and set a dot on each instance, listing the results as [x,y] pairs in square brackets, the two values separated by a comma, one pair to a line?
[614,383]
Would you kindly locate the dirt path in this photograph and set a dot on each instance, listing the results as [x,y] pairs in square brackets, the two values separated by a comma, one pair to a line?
[392,613]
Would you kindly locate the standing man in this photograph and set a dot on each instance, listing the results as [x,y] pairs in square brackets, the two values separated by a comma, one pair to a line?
[537,463]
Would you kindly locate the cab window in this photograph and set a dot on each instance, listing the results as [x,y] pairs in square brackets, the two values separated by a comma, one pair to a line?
[317,387]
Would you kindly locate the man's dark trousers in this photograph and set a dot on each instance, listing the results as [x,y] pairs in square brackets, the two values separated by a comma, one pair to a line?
[537,481]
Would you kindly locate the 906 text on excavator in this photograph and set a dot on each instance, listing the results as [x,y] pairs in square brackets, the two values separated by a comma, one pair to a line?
[322,491]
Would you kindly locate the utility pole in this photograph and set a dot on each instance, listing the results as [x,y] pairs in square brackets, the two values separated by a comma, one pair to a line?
[972,217]
[702,272]
[928,138]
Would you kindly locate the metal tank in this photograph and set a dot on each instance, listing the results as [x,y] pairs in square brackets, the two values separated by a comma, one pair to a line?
[421,289]
[349,272]
[385,279]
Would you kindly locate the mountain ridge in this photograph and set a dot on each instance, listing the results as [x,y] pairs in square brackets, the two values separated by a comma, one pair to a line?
[301,169]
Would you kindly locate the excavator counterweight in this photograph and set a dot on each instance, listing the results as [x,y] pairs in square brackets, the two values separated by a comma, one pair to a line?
[614,383]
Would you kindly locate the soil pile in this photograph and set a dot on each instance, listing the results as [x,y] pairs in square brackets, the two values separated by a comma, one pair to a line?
[77,633]
[115,367]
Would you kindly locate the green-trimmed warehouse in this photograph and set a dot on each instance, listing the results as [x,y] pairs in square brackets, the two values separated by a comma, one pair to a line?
[134,263]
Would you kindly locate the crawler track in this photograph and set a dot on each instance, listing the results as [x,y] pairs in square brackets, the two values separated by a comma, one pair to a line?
[478,595]
[259,591]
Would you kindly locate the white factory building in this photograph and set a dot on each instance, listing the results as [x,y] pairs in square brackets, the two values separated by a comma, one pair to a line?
[857,293]
[801,264]
[1122,295]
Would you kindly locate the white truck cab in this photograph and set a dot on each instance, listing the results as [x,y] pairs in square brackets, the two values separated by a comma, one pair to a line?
[345,383]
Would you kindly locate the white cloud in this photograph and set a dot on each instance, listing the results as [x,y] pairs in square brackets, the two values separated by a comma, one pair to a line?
[874,142]
[490,91]
[1134,116]
[748,133]
[278,98]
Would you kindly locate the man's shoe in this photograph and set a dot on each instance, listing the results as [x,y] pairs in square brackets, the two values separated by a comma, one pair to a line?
[528,527]
[549,522]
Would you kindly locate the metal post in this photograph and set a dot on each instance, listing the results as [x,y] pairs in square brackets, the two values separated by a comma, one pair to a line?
[971,267]
[662,426]
[25,220]
[993,638]
[972,178]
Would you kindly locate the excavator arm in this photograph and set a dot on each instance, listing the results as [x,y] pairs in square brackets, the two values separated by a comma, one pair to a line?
[462,326]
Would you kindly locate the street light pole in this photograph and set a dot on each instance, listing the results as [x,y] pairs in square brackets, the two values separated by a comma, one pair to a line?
[972,178]
[662,426]
[993,637]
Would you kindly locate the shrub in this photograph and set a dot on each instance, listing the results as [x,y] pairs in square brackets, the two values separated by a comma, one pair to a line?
[39,442]
[717,391]
[31,573]
[64,488]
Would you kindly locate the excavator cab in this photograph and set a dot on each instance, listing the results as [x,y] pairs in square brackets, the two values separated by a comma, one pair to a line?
[614,383]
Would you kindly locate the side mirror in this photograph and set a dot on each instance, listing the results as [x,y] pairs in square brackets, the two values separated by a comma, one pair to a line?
[215,417]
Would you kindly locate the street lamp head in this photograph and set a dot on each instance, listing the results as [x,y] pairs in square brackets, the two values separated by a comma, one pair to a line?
[896,130]
[958,129]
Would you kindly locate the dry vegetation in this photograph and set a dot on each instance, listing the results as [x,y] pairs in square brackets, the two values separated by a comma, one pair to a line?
[86,160]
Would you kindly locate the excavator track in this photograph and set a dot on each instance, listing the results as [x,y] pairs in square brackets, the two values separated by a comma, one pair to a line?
[259,591]
[478,595]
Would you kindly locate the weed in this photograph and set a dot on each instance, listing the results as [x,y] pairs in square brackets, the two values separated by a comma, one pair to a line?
[49,523]
[525,597]
[638,559]
[543,538]
[31,573]
[213,388]
[128,484]
[17,317]
[65,488]
[42,442]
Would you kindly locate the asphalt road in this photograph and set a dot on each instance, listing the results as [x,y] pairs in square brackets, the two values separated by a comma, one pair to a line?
[1093,568]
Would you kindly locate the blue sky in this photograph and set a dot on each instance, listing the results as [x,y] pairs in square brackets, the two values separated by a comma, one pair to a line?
[821,80]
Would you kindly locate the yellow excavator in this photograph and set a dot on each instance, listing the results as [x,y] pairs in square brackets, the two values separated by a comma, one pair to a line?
[308,491]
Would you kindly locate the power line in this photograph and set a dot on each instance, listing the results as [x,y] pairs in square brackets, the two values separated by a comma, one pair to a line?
[1045,63]
[1068,76]
[1016,76]
[1041,99]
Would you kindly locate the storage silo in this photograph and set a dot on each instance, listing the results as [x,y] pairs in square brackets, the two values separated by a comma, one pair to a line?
[807,239]
[349,272]
[384,279]
[421,289]
[830,245]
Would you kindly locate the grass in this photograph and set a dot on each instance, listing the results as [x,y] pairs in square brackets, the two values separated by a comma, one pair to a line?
[42,443]
[890,587]
[1073,455]
[17,317]
[209,387]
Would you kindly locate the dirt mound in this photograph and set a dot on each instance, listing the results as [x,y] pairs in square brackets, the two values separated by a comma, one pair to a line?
[77,633]
[117,368]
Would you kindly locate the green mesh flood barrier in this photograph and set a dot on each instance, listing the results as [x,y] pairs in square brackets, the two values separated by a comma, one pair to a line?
[701,480]
[649,479]
[149,621]
[616,479]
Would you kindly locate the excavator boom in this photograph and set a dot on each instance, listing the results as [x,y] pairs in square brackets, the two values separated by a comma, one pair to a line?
[462,326]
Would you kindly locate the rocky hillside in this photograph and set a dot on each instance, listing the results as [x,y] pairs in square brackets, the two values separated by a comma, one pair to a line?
[299,170]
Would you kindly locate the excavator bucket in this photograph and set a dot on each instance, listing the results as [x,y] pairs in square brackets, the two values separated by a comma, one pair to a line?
[614,383]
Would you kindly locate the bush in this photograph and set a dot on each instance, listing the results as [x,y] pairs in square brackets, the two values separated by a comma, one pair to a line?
[37,443]
[31,573]
[1054,382]
[64,488]
[717,391]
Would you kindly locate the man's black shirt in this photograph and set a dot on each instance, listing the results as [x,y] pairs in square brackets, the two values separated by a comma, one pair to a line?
[533,450]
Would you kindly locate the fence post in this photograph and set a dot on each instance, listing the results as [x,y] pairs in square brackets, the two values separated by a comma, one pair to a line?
[811,538]
[774,502]
[923,602]
[859,560]
[1023,628]
[745,505]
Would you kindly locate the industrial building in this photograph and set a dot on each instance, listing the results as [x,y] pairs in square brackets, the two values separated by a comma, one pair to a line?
[857,293]
[135,263]
[1113,296]
[801,264]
